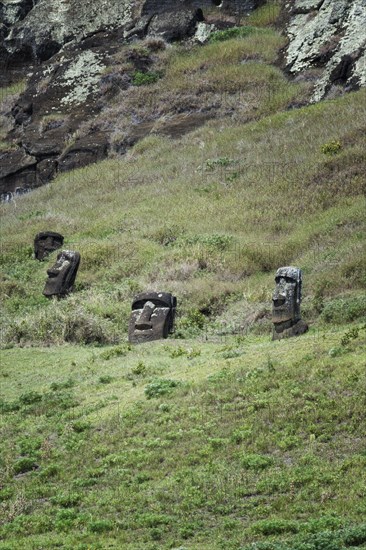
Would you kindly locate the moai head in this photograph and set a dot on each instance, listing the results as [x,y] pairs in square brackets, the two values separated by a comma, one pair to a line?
[287,295]
[45,243]
[62,275]
[286,301]
[152,317]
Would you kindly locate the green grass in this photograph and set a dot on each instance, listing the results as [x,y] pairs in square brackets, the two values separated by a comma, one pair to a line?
[231,217]
[185,445]
[219,438]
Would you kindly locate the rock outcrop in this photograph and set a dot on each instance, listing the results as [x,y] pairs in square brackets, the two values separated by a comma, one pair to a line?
[66,50]
[329,36]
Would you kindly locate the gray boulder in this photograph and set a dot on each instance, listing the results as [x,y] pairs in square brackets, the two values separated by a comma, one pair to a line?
[328,35]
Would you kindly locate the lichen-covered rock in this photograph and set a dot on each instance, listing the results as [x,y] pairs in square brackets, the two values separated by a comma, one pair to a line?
[12,11]
[175,25]
[53,23]
[328,35]
[66,51]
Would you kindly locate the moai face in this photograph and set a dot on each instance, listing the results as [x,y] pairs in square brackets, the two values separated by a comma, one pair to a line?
[287,295]
[152,317]
[62,275]
[45,243]
[286,301]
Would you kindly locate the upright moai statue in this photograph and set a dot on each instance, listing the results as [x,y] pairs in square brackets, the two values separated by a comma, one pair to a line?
[286,302]
[62,275]
[152,317]
[45,243]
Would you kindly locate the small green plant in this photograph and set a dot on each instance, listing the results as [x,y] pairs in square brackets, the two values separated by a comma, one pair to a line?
[56,386]
[275,527]
[106,379]
[233,32]
[139,369]
[178,352]
[67,500]
[160,386]
[143,79]
[331,148]
[101,526]
[256,462]
[81,426]
[24,465]
[30,398]
[351,334]
[116,351]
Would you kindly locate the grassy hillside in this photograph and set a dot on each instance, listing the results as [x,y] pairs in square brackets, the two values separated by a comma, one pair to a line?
[218,437]
[195,445]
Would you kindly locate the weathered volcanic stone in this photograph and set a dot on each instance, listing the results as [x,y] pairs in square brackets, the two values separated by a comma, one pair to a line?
[152,317]
[62,275]
[45,243]
[17,169]
[286,302]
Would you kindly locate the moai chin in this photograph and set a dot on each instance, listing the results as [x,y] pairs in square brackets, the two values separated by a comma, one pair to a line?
[286,302]
[152,317]
[62,275]
[45,243]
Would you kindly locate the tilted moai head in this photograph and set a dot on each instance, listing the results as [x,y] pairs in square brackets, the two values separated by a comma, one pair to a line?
[62,275]
[286,301]
[152,317]
[45,243]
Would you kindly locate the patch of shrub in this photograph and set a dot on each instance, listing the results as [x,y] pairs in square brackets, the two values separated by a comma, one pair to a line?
[56,386]
[166,235]
[350,335]
[275,527]
[117,351]
[139,369]
[140,78]
[81,426]
[193,322]
[24,465]
[67,500]
[6,406]
[50,471]
[29,445]
[106,379]
[212,241]
[331,148]
[84,328]
[30,398]
[160,386]
[101,526]
[233,32]
[344,310]
[256,462]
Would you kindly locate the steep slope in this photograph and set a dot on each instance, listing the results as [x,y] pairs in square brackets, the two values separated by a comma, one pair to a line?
[217,438]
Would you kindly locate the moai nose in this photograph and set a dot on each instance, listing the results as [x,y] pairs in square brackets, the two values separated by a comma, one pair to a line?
[144,321]
[278,299]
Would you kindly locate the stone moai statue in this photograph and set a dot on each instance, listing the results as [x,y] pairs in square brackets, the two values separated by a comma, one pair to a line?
[286,301]
[45,243]
[62,275]
[152,317]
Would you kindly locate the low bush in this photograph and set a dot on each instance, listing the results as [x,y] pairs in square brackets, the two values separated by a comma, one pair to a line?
[160,386]
[344,310]
[233,32]
[142,79]
[24,465]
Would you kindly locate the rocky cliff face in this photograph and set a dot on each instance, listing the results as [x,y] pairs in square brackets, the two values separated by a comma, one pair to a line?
[65,50]
[328,36]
